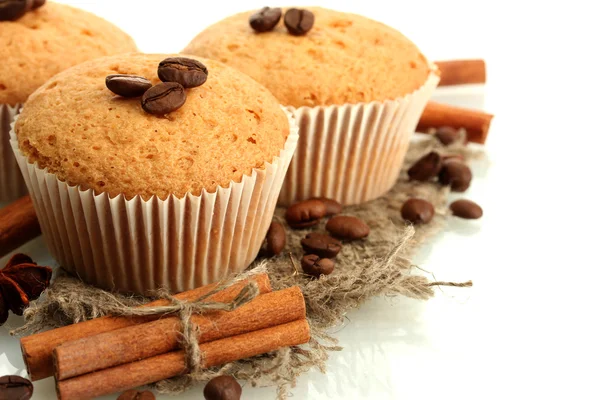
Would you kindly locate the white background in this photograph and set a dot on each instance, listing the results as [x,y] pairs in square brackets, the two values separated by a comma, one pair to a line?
[528,329]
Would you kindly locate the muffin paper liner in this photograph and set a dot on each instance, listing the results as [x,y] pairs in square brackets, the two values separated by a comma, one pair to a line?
[12,185]
[140,245]
[353,153]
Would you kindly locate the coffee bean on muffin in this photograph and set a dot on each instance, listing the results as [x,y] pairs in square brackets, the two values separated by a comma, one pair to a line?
[332,206]
[275,239]
[426,168]
[11,10]
[316,266]
[266,19]
[322,245]
[298,21]
[163,98]
[446,135]
[417,211]
[305,213]
[466,209]
[223,387]
[136,395]
[455,174]
[37,4]
[347,227]
[187,72]
[127,85]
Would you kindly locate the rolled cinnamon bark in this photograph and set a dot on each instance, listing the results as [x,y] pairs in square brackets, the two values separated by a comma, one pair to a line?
[460,72]
[142,341]
[475,122]
[18,225]
[129,376]
[37,349]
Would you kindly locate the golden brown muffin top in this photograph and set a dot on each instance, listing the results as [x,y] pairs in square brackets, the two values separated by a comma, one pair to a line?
[344,58]
[48,40]
[78,129]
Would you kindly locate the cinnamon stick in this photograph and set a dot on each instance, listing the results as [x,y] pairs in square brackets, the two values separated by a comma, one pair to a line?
[37,349]
[460,72]
[475,122]
[164,366]
[18,225]
[142,341]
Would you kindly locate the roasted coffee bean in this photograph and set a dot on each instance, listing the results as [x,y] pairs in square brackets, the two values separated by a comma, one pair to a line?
[37,4]
[455,174]
[136,395]
[223,387]
[322,245]
[163,98]
[266,19]
[346,227]
[332,206]
[298,22]
[275,239]
[13,387]
[305,213]
[426,168]
[187,72]
[127,85]
[11,10]
[417,211]
[446,135]
[313,265]
[466,209]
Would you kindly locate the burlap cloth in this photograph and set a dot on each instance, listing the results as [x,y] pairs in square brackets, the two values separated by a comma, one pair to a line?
[378,265]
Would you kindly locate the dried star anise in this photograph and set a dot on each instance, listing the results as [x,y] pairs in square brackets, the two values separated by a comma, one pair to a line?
[21,280]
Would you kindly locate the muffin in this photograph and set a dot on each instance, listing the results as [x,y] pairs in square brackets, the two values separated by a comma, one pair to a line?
[133,201]
[33,48]
[357,88]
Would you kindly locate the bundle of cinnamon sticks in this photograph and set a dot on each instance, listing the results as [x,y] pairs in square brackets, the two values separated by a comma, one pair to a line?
[112,354]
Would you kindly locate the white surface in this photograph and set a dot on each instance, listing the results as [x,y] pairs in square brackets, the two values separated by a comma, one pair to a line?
[528,329]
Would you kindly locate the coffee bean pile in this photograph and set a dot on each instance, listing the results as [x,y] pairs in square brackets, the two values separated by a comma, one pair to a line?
[297,21]
[176,74]
[12,10]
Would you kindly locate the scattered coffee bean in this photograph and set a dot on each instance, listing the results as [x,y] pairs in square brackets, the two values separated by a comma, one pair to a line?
[37,4]
[223,387]
[446,135]
[466,209]
[313,265]
[455,174]
[187,72]
[14,387]
[332,206]
[136,395]
[347,227]
[426,168]
[322,245]
[275,239]
[305,213]
[11,10]
[163,98]
[417,211]
[266,19]
[127,85]
[298,22]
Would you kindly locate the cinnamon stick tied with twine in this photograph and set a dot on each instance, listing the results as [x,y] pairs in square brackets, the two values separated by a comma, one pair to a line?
[475,122]
[461,72]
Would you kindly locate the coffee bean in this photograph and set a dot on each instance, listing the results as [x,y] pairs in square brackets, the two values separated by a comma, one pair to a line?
[426,168]
[455,174]
[275,238]
[187,72]
[466,209]
[346,227]
[417,211]
[13,387]
[37,4]
[298,22]
[266,19]
[332,206]
[322,245]
[11,10]
[127,85]
[305,213]
[313,265]
[163,98]
[136,395]
[446,135]
[223,387]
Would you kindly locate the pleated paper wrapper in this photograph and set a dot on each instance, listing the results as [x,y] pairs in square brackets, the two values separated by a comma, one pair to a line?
[353,153]
[12,185]
[138,246]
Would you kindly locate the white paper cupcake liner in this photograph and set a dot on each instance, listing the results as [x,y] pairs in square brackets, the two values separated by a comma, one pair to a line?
[12,185]
[353,153]
[137,245]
